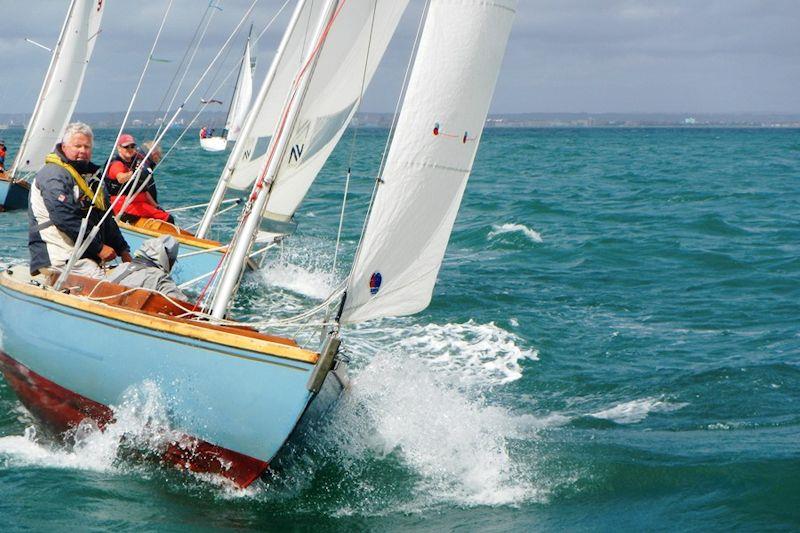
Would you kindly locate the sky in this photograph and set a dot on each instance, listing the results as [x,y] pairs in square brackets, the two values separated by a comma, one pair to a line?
[564,56]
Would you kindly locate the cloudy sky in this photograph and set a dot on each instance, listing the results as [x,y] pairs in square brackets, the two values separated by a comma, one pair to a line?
[678,56]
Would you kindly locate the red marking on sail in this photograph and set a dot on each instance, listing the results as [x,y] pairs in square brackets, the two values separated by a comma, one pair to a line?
[62,409]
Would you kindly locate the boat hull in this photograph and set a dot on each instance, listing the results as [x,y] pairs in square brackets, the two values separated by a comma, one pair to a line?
[214,144]
[236,405]
[13,194]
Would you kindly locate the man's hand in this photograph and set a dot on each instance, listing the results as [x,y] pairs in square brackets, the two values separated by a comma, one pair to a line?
[107,254]
[126,257]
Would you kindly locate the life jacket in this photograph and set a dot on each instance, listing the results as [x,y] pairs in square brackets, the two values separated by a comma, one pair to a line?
[88,195]
[112,185]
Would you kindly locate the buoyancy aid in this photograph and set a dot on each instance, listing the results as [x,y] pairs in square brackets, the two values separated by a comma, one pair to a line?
[97,199]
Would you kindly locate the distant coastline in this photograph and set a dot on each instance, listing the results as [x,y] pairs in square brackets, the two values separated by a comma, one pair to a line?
[148,119]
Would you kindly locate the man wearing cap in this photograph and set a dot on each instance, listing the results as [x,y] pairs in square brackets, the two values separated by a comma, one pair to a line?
[123,167]
[63,193]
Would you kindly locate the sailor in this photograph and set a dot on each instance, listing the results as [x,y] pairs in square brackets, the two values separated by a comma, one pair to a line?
[62,193]
[123,167]
[150,165]
[151,267]
[203,132]
[2,155]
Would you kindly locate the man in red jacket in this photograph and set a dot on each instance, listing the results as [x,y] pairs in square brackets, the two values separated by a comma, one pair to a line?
[122,169]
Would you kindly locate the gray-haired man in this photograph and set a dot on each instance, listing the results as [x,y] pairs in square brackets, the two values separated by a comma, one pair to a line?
[61,194]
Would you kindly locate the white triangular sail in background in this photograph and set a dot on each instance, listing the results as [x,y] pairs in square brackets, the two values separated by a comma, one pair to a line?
[353,49]
[62,84]
[430,159]
[242,96]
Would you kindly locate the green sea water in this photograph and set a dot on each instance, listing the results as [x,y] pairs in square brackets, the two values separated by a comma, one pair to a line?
[613,344]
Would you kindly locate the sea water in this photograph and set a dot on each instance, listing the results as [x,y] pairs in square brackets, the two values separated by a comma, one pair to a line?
[613,343]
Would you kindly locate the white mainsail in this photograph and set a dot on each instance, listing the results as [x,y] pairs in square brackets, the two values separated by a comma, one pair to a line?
[242,95]
[349,42]
[62,84]
[430,159]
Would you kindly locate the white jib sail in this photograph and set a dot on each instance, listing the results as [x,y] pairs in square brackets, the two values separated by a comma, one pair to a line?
[62,84]
[430,159]
[353,49]
[242,96]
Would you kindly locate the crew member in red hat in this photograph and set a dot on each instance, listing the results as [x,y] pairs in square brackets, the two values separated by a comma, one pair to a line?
[122,168]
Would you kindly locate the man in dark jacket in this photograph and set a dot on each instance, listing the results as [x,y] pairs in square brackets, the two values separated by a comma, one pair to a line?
[61,194]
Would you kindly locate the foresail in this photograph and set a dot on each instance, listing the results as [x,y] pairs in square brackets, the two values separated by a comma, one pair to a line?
[62,84]
[430,159]
[242,96]
[353,49]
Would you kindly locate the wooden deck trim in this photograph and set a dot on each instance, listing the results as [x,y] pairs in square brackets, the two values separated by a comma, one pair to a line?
[223,335]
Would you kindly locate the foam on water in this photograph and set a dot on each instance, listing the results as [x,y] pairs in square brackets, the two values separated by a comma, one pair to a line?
[457,448]
[140,423]
[310,283]
[637,410]
[531,234]
[479,354]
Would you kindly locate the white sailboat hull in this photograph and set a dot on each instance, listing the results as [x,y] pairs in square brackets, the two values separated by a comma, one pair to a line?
[214,144]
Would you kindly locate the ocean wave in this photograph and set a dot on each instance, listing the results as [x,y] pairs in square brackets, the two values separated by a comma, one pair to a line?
[635,411]
[531,234]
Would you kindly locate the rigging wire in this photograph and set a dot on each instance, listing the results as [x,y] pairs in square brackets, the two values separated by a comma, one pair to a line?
[353,141]
[100,187]
[188,65]
[81,244]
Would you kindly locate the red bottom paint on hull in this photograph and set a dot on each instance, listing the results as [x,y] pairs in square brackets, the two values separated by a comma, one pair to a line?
[61,409]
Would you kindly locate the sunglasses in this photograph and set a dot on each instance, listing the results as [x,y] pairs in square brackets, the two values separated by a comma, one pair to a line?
[128,146]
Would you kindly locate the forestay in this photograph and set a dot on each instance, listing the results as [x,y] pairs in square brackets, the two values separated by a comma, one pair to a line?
[62,84]
[430,159]
[242,96]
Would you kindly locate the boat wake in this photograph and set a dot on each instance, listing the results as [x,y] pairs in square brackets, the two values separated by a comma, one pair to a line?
[498,230]
[140,428]
[635,411]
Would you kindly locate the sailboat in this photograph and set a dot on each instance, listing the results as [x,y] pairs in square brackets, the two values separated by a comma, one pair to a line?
[236,395]
[345,67]
[240,105]
[56,101]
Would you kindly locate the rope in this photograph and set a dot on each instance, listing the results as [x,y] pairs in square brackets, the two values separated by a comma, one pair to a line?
[188,65]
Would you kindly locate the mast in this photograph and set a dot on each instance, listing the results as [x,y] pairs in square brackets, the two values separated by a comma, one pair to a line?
[243,240]
[247,128]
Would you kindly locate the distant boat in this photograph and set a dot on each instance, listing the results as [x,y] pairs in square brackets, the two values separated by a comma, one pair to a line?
[240,105]
[56,100]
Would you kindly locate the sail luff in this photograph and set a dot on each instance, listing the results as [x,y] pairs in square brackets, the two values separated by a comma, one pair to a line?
[62,84]
[430,158]
[243,239]
[249,124]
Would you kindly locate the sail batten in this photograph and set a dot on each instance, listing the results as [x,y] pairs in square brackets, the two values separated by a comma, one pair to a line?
[62,85]
[430,158]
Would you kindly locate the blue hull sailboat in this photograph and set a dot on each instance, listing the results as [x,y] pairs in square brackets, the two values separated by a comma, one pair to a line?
[235,395]
[73,349]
